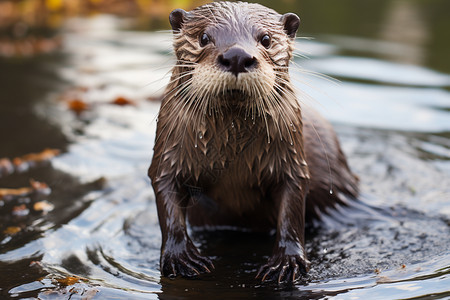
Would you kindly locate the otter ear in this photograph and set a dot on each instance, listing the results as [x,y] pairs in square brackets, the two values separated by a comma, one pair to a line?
[177,18]
[290,22]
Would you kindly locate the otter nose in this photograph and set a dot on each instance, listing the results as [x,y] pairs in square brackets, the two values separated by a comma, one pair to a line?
[236,60]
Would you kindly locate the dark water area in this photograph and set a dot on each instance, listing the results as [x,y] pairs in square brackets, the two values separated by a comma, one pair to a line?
[101,237]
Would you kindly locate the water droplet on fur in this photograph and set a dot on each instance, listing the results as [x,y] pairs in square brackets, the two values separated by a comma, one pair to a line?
[293,128]
[331,192]
[200,135]
[195,146]
[232,124]
[157,120]
[292,143]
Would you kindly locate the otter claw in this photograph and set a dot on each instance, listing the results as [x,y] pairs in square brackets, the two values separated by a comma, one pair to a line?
[184,266]
[186,262]
[288,268]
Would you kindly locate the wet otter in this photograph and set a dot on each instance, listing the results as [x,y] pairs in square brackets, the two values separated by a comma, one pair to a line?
[233,147]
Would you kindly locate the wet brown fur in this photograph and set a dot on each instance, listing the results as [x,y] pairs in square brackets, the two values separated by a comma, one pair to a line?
[241,151]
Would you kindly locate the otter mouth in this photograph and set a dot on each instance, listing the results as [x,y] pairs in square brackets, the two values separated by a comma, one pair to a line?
[235,95]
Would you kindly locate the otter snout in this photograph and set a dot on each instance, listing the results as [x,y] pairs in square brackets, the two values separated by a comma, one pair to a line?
[236,60]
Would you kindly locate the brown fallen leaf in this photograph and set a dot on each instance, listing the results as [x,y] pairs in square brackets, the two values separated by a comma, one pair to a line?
[121,101]
[24,162]
[37,185]
[69,280]
[43,206]
[11,230]
[6,166]
[46,154]
[78,106]
[34,186]
[15,192]
[20,210]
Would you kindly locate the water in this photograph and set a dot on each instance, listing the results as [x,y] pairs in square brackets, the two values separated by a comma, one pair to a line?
[391,110]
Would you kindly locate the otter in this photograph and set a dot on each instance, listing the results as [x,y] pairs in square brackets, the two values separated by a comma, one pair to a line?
[234,147]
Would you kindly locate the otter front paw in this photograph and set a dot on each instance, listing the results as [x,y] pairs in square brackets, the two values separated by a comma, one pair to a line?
[284,267]
[185,260]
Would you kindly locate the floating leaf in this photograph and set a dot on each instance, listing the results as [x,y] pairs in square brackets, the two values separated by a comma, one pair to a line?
[43,206]
[20,210]
[122,101]
[12,230]
[78,106]
[46,154]
[6,166]
[34,186]
[24,162]
[15,192]
[69,280]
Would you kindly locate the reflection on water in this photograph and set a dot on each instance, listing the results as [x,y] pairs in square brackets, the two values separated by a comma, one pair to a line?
[103,232]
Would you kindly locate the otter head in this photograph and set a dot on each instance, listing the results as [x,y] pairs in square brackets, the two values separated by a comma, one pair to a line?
[229,52]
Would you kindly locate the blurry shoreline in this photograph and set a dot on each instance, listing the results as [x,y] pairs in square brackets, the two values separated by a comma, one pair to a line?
[33,27]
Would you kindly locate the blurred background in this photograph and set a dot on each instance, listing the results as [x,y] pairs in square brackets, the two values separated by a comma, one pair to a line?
[79,83]
[28,26]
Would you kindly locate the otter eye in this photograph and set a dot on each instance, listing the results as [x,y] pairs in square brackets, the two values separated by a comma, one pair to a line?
[204,40]
[265,41]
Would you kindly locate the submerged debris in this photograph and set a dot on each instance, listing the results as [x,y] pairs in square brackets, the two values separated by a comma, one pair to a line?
[43,206]
[69,280]
[73,99]
[11,230]
[77,106]
[25,162]
[121,101]
[35,186]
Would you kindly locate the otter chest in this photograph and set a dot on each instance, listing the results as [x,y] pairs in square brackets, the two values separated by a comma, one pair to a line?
[221,150]
[235,163]
[228,166]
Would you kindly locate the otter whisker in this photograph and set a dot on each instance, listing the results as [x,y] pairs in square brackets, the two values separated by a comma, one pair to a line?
[268,101]
[316,74]
[302,93]
[262,111]
[181,76]
[175,91]
[304,38]
[326,155]
[298,55]
[274,97]
[189,62]
[283,111]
